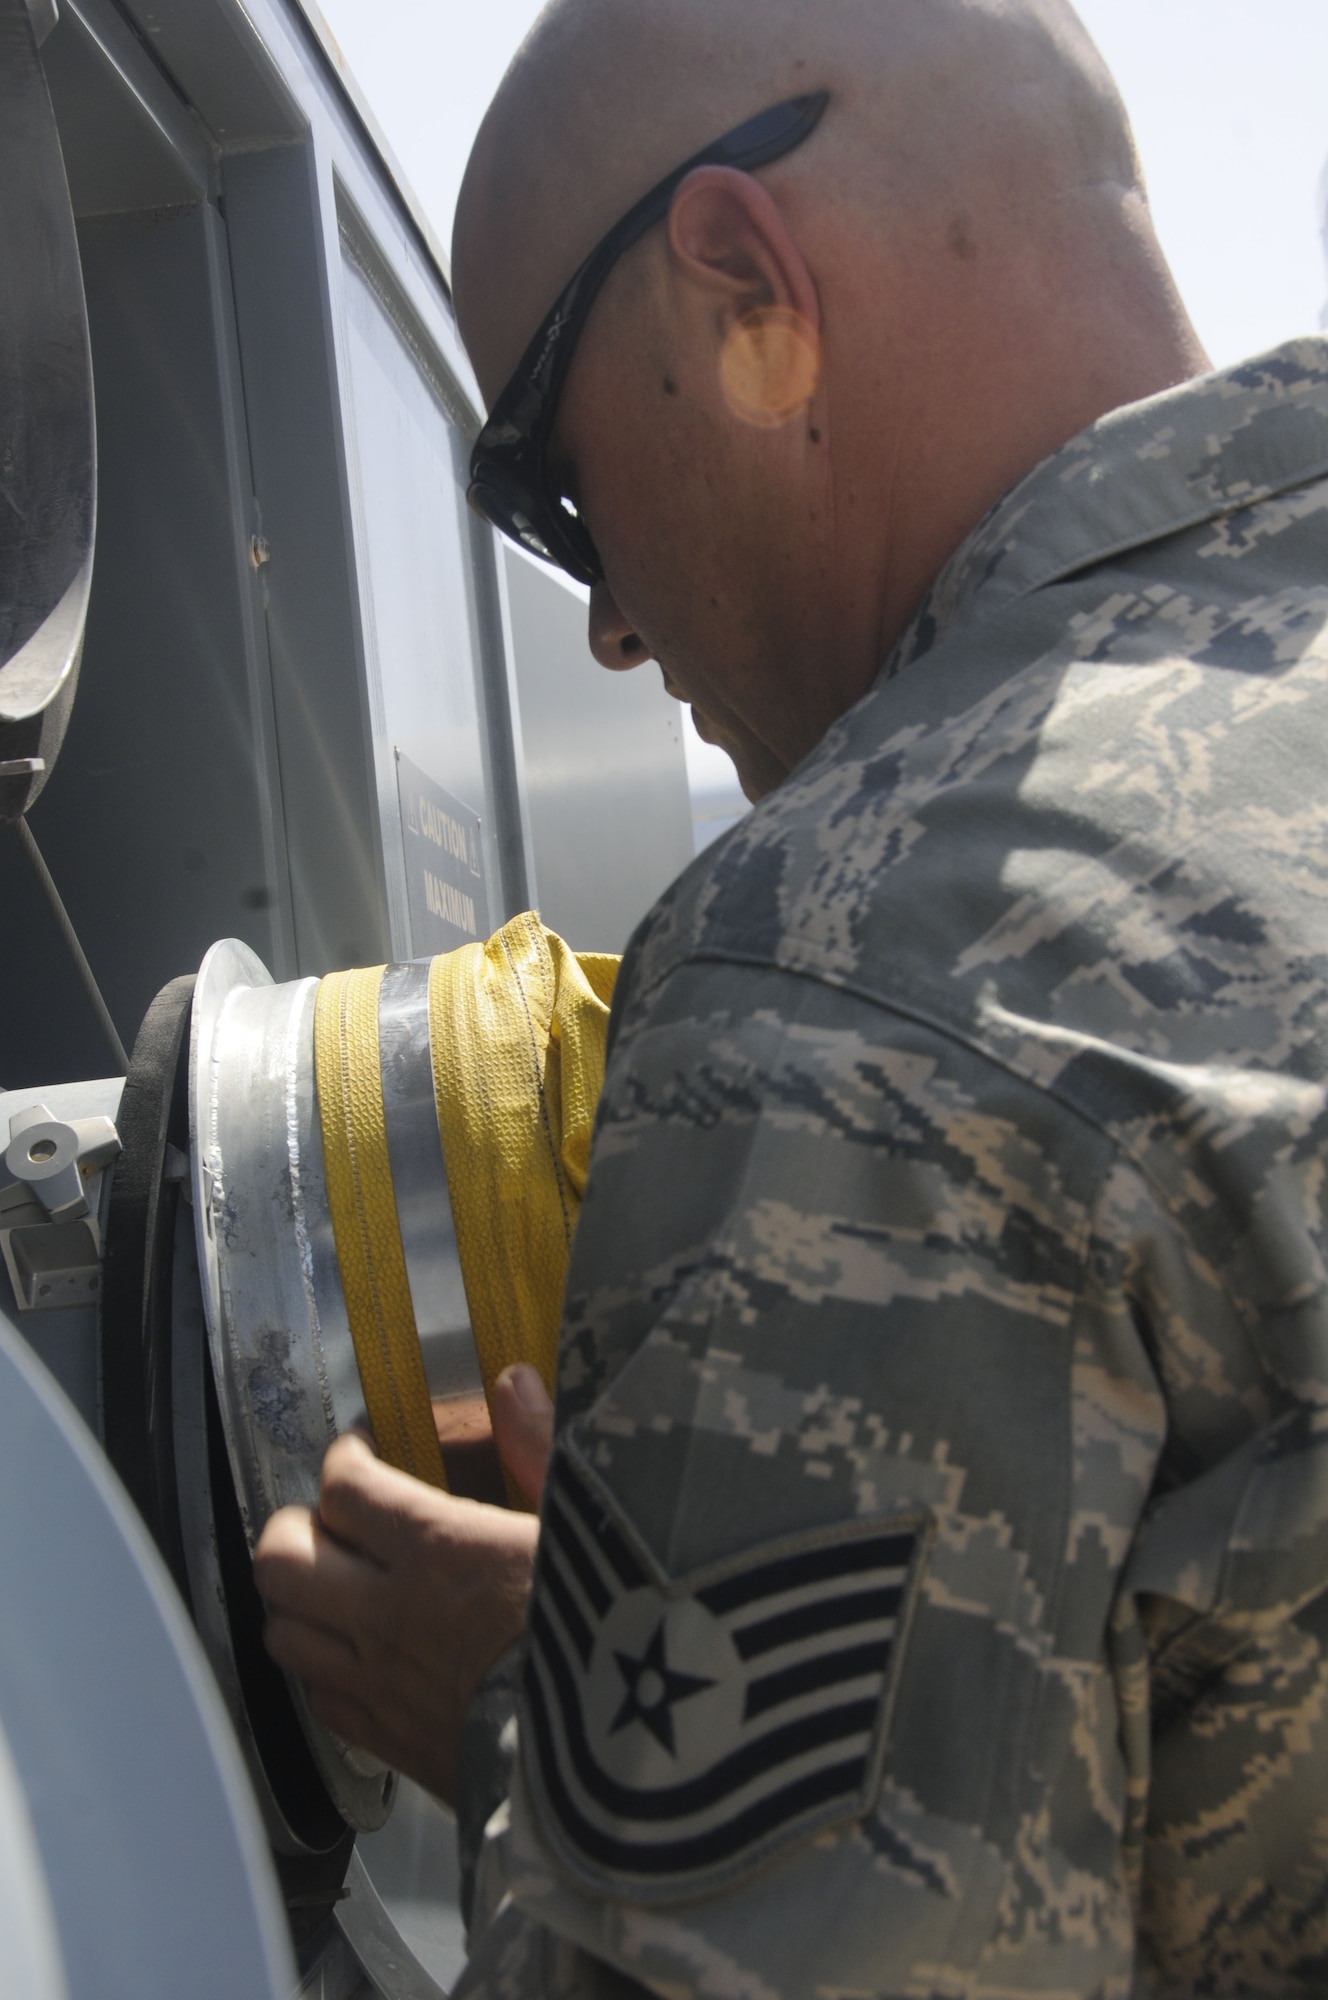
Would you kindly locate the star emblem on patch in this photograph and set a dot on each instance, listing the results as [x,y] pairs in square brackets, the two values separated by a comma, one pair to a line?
[676,1731]
[653,1689]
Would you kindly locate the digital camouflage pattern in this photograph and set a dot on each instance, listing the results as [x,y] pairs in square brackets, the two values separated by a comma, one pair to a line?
[962,1161]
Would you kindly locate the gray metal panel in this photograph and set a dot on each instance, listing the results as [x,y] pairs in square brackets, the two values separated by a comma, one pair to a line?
[507,758]
[408,464]
[218,59]
[606,776]
[296,437]
[159,823]
[127,139]
[333,696]
[355,195]
[316,27]
[1323,230]
[377,1922]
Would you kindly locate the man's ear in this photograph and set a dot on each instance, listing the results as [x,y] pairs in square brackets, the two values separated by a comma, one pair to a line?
[728,237]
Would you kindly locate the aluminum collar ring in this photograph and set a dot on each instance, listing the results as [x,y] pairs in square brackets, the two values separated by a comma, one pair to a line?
[281,1348]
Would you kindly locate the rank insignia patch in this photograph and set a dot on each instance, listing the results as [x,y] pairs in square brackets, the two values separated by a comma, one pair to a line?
[676,1732]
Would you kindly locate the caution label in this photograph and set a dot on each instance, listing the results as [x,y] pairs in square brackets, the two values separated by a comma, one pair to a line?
[440,839]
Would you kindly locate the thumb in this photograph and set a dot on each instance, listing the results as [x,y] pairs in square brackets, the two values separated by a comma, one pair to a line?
[523,1427]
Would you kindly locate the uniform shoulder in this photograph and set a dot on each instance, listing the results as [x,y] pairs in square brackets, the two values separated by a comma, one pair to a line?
[1074,809]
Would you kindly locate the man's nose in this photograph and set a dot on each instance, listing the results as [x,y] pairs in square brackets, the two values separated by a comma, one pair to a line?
[612,640]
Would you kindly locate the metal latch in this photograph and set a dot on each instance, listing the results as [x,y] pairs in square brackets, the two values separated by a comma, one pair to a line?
[50,1194]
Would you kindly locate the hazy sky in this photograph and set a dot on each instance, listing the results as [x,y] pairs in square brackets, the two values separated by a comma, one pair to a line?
[1229,99]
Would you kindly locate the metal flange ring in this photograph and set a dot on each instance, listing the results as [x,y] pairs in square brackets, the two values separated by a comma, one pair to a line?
[281,1349]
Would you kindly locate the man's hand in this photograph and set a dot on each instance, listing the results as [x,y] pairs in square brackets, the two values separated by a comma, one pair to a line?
[393,1601]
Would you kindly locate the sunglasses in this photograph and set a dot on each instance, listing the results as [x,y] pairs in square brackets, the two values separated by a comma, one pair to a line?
[509,482]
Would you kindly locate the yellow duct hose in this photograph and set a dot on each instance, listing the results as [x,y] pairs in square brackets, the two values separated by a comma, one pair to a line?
[517,1028]
[363,1205]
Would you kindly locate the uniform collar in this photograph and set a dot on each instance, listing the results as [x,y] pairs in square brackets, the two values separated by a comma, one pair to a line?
[1152,469]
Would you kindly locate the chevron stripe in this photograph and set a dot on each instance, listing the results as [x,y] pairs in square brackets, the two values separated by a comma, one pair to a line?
[754,1709]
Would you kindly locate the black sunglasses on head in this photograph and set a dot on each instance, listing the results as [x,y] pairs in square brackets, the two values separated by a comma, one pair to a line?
[509,484]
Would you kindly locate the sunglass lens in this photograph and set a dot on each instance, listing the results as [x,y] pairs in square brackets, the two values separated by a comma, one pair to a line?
[556,537]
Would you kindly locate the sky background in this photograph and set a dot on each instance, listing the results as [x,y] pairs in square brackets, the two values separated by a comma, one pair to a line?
[1230,106]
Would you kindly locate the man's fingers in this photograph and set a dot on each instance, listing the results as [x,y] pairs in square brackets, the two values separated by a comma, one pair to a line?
[300,1568]
[314,1655]
[364,1502]
[392,1602]
[523,1427]
[287,1546]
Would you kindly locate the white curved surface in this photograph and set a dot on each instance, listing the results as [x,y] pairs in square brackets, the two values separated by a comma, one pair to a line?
[30,1959]
[149,1840]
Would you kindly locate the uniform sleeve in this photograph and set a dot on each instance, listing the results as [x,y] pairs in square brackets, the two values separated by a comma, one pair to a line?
[856,1430]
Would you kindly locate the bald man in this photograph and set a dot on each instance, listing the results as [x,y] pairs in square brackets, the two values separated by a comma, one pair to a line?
[932,1591]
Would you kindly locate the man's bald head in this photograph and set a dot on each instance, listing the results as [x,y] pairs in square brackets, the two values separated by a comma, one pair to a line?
[941,111]
[791,401]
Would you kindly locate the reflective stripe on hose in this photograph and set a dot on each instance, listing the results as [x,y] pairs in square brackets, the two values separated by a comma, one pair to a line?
[362,1202]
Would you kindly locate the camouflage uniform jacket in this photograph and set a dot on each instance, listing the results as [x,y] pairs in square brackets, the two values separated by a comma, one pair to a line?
[933,1590]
